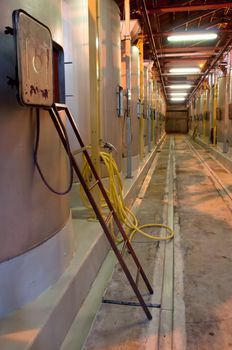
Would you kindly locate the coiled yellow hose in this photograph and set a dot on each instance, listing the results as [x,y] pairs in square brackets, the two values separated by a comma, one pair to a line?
[115,193]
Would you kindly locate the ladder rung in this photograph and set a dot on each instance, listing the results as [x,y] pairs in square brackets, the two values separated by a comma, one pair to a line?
[95,183]
[80,150]
[137,277]
[56,118]
[123,248]
[108,217]
[61,106]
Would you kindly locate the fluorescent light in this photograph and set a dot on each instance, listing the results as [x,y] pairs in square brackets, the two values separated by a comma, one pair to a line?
[179,94]
[180,86]
[178,99]
[186,54]
[185,70]
[192,37]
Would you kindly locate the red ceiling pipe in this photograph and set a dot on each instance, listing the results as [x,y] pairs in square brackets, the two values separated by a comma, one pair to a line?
[219,32]
[188,49]
[183,59]
[203,7]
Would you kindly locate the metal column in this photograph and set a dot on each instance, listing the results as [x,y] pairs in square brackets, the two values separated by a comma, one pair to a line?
[128,88]
[94,93]
[226,116]
[215,96]
[141,121]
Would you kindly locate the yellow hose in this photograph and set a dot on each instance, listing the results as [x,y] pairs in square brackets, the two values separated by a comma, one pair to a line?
[115,193]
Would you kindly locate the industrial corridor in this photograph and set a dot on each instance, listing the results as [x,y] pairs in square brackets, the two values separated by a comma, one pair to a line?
[116,175]
[188,189]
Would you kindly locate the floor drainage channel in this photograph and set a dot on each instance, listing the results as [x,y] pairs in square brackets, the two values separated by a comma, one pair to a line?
[129,303]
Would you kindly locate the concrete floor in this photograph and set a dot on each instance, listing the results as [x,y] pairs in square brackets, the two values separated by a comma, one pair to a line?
[126,327]
[206,233]
[191,275]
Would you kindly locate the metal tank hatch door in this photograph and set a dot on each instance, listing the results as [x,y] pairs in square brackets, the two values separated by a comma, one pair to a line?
[34,60]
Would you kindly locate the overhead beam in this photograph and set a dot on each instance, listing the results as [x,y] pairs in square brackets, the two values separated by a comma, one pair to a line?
[203,7]
[184,58]
[181,74]
[188,49]
[191,55]
[219,32]
[180,82]
[215,22]
[190,19]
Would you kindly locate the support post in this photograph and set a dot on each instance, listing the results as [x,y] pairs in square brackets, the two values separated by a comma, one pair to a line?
[211,108]
[149,113]
[154,105]
[204,110]
[141,97]
[157,114]
[94,90]
[128,88]
[226,116]
[215,95]
[198,114]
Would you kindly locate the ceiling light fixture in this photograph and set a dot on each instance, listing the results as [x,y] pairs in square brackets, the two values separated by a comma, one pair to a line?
[178,94]
[192,37]
[180,86]
[185,70]
[178,99]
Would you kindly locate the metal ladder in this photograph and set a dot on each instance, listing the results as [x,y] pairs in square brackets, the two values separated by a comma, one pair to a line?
[59,125]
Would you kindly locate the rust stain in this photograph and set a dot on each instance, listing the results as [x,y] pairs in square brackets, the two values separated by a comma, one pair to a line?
[34,90]
[44,93]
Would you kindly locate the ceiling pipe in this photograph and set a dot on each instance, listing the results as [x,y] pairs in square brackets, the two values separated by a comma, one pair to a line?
[203,7]
[181,74]
[188,49]
[147,20]
[213,63]
[219,32]
[191,19]
[213,25]
[188,60]
[128,87]
[193,55]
